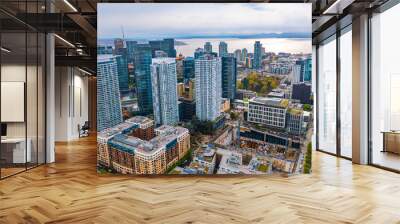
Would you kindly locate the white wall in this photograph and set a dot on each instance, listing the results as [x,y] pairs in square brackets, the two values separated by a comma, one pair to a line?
[71,102]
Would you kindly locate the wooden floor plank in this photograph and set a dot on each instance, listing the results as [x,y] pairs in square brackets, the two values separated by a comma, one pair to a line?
[71,191]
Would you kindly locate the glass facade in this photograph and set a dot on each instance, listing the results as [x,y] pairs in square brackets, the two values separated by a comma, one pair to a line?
[22,76]
[377,60]
[385,89]
[327,96]
[229,74]
[346,93]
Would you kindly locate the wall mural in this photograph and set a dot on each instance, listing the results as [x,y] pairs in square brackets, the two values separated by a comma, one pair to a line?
[204,88]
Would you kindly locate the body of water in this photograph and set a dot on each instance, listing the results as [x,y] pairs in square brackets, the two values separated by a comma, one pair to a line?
[287,45]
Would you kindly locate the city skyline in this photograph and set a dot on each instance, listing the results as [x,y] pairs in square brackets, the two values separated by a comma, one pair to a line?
[210,106]
[154,20]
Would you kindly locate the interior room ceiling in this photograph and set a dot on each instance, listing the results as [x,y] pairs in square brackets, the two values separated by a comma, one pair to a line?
[76,20]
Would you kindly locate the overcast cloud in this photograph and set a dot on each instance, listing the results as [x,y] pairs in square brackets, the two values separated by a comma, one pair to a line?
[152,20]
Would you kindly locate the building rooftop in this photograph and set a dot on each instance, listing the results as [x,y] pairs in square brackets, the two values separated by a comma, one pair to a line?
[163,60]
[206,153]
[130,144]
[118,136]
[295,111]
[278,94]
[104,58]
[271,101]
[110,132]
[167,129]
[138,120]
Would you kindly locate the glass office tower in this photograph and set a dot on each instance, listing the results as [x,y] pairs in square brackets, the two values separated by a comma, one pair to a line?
[122,70]
[223,49]
[229,74]
[257,55]
[188,68]
[142,58]
[208,47]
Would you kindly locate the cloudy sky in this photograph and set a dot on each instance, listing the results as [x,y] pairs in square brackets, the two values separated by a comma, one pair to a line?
[152,20]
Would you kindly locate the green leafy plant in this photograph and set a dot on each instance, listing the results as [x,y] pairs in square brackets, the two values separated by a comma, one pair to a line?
[308,160]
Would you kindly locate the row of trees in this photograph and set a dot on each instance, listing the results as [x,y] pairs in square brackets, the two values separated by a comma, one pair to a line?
[259,83]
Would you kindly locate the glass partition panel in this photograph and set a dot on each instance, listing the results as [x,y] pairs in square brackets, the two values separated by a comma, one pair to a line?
[327,96]
[14,154]
[32,98]
[41,99]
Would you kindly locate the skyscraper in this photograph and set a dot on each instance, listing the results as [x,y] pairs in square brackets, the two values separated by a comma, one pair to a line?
[102,49]
[302,92]
[198,53]
[257,55]
[307,70]
[168,46]
[155,45]
[244,54]
[118,43]
[188,68]
[223,49]
[296,73]
[302,71]
[165,96]
[208,87]
[142,58]
[229,74]
[238,55]
[123,76]
[208,47]
[109,111]
[130,46]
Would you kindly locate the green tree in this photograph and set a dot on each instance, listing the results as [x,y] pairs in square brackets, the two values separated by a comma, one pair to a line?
[308,159]
[307,107]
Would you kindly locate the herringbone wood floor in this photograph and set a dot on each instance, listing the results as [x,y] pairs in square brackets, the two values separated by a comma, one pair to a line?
[70,191]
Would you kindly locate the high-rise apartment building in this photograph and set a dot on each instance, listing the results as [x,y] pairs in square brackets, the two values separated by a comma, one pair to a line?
[165,96]
[257,55]
[208,87]
[142,58]
[208,47]
[229,74]
[223,49]
[109,111]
